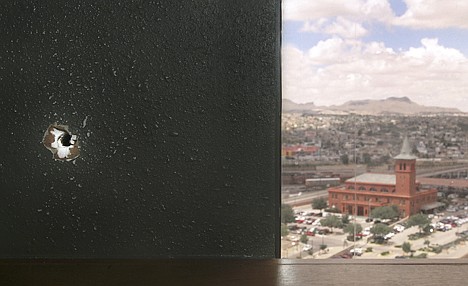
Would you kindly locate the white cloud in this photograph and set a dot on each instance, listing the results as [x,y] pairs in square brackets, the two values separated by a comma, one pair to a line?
[306,10]
[431,50]
[336,70]
[343,18]
[419,14]
[343,67]
[434,14]
[341,27]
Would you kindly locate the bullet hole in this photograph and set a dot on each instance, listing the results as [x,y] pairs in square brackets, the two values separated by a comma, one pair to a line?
[65,139]
[61,142]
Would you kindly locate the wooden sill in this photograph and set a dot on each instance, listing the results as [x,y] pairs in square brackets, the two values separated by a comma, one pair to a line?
[235,272]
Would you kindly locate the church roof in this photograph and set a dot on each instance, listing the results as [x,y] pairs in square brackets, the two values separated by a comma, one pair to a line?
[372,178]
[405,153]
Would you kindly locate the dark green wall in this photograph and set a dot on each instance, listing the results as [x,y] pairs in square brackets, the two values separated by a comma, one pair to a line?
[180,146]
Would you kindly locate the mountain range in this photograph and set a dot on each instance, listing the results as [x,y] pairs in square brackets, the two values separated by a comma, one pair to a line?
[388,106]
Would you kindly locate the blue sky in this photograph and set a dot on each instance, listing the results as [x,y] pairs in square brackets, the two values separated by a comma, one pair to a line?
[340,50]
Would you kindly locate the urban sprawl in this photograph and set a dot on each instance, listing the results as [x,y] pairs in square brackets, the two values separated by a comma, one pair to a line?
[360,186]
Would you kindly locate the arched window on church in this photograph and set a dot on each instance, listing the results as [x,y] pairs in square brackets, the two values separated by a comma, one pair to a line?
[384,190]
[362,188]
[350,187]
[373,189]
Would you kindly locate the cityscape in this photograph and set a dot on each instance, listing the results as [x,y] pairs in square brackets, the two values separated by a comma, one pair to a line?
[331,211]
[374,129]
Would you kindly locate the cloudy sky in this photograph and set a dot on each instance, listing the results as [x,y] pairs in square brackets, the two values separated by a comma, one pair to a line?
[340,50]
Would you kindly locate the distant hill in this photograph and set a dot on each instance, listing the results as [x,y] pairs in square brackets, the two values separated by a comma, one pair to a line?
[290,106]
[391,105]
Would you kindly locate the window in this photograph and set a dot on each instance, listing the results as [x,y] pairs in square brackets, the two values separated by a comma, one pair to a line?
[343,134]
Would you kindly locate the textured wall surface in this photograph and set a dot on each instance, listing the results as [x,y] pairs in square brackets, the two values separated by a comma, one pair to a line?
[176,105]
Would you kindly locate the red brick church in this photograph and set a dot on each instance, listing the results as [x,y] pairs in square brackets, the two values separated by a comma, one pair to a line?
[365,192]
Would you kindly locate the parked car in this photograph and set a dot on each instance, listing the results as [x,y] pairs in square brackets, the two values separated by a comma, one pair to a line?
[366,231]
[293,226]
[389,235]
[356,251]
[309,221]
[324,231]
[310,232]
[293,238]
[398,228]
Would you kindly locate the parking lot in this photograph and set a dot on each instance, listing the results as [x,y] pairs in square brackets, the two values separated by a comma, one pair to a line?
[448,240]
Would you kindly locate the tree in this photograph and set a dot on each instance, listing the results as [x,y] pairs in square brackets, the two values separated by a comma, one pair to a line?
[331,222]
[304,239]
[319,203]
[367,158]
[284,229]
[384,159]
[345,219]
[287,214]
[419,220]
[350,228]
[380,229]
[344,159]
[385,212]
[406,247]
[333,210]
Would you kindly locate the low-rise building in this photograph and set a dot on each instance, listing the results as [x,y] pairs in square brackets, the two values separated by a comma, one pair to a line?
[367,191]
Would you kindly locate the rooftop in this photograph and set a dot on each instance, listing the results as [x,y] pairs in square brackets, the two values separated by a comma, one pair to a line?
[372,178]
[406,153]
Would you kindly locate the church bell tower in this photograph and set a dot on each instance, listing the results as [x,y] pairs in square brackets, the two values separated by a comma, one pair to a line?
[405,170]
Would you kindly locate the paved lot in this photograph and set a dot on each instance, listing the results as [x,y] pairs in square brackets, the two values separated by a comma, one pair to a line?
[336,244]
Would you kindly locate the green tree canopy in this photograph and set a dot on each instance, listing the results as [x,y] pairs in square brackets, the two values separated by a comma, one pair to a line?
[331,222]
[367,158]
[349,228]
[385,212]
[344,159]
[287,213]
[319,203]
[380,229]
[406,247]
[345,219]
[419,220]
[304,239]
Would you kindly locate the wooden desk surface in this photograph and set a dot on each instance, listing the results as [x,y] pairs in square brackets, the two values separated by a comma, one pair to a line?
[234,272]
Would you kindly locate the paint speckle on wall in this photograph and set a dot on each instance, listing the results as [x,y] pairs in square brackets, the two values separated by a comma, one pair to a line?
[61,142]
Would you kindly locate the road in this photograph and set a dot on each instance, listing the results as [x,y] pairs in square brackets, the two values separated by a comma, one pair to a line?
[305,198]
